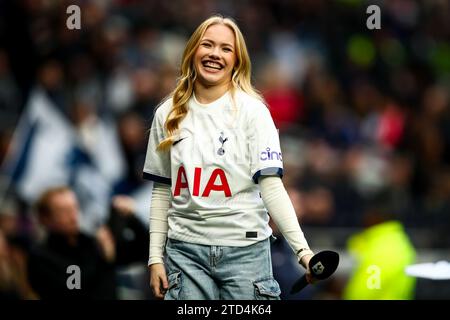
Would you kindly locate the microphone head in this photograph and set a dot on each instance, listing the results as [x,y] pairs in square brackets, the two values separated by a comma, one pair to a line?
[324,264]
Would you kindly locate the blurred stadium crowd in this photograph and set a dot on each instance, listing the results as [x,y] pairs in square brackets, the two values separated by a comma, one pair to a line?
[363,114]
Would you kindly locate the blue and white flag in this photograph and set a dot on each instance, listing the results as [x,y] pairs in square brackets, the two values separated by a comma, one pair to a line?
[40,144]
[48,151]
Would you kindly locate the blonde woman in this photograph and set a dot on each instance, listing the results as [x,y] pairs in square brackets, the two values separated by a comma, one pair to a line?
[214,156]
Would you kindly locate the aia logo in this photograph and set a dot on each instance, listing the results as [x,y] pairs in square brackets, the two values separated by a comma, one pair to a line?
[183,183]
[270,155]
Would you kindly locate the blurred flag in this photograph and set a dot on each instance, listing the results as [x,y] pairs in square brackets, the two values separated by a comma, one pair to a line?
[47,151]
[40,144]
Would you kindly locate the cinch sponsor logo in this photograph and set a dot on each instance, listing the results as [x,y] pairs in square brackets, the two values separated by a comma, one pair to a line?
[271,155]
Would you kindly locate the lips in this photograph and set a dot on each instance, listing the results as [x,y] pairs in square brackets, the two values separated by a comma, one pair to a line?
[212,65]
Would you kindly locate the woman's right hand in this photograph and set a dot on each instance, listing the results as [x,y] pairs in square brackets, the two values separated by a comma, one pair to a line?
[158,280]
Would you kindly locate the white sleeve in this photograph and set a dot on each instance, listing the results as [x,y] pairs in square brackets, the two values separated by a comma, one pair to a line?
[157,163]
[281,210]
[158,222]
[264,144]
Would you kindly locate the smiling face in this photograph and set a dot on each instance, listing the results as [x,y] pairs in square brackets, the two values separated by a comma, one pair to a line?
[215,56]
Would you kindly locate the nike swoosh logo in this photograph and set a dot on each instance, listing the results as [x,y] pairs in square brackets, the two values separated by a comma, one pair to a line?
[178,141]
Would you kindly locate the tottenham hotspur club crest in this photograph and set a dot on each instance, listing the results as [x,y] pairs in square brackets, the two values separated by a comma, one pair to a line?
[222,140]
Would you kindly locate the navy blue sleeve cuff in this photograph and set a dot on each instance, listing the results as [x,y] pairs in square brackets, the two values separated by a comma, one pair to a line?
[273,171]
[156,178]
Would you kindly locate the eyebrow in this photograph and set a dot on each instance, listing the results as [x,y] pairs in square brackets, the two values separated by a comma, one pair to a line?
[223,43]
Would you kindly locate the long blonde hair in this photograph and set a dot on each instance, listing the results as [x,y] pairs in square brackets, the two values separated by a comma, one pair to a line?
[240,78]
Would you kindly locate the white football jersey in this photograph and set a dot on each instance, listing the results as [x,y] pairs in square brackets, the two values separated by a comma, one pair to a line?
[213,168]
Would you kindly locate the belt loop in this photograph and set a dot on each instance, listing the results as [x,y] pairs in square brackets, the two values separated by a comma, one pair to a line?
[273,239]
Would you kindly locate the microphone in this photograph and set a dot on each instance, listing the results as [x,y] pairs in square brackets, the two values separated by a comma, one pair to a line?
[322,266]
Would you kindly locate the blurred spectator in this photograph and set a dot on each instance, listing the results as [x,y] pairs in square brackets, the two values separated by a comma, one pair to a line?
[436,206]
[131,237]
[132,136]
[285,103]
[10,102]
[382,251]
[51,78]
[145,86]
[7,286]
[64,246]
[10,98]
[13,256]
[318,204]
[124,240]
[5,138]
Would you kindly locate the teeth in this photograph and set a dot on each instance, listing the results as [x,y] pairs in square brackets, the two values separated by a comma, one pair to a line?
[212,65]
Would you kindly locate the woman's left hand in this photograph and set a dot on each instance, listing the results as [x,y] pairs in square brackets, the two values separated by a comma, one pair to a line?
[305,262]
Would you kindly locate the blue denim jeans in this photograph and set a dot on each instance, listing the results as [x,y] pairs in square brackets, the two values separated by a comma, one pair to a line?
[201,272]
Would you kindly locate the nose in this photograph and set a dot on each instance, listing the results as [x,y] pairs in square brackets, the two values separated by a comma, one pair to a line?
[215,53]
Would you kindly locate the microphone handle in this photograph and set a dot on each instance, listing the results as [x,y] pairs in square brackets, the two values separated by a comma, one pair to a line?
[299,284]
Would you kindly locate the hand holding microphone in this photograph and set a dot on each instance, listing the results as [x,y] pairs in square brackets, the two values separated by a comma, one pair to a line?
[322,265]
